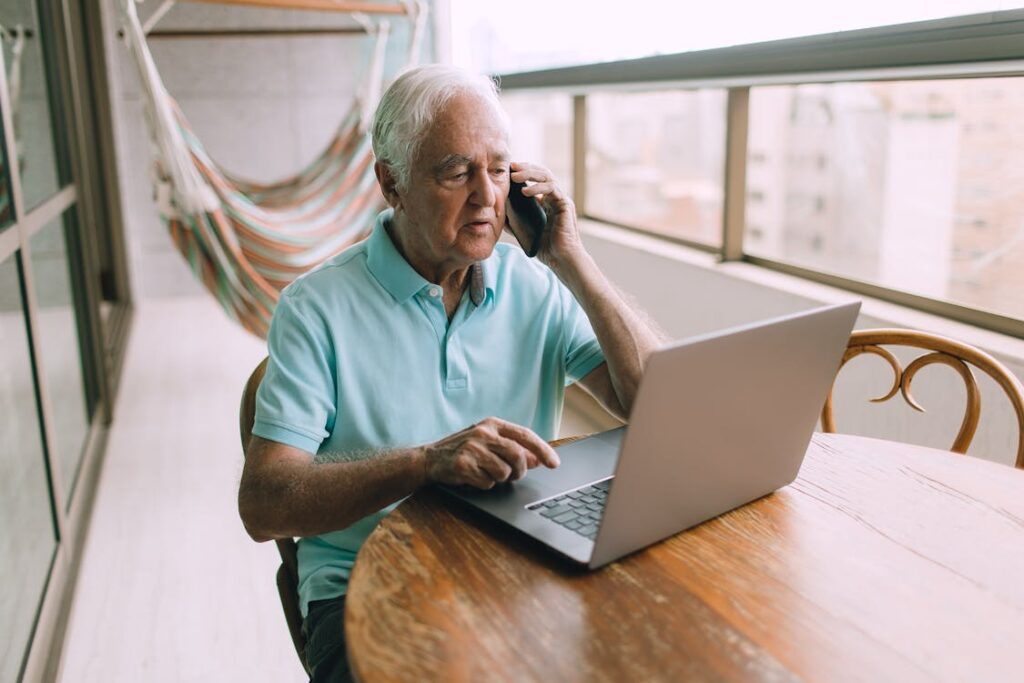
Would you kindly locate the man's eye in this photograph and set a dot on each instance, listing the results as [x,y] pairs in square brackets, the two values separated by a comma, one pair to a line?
[500,171]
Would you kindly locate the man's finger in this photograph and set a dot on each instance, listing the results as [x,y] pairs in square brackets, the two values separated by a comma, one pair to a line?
[515,456]
[480,478]
[529,440]
[550,196]
[540,190]
[492,465]
[522,172]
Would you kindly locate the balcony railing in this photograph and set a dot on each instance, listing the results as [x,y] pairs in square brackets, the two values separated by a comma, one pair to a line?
[885,161]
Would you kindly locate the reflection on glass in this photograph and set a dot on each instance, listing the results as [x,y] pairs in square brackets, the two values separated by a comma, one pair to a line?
[30,106]
[542,131]
[656,161]
[27,541]
[59,350]
[917,186]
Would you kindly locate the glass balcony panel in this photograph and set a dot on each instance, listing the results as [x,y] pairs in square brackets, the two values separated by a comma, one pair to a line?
[916,186]
[542,131]
[27,539]
[35,147]
[60,350]
[656,161]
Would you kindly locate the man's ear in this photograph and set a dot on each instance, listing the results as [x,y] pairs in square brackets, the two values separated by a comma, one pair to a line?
[388,184]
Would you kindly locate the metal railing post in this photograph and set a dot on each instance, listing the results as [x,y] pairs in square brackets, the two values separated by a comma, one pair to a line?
[735,183]
[579,153]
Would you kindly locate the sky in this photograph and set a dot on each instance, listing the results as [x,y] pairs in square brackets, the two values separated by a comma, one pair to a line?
[528,34]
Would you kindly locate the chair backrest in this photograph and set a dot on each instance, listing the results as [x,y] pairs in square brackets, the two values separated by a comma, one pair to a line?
[945,351]
[288,574]
[247,411]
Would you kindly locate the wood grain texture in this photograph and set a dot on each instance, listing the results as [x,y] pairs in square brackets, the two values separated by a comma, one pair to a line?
[948,352]
[882,561]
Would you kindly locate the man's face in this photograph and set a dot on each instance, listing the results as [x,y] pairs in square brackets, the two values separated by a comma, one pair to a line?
[454,206]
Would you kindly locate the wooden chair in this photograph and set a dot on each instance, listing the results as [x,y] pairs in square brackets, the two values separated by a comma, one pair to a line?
[946,352]
[288,572]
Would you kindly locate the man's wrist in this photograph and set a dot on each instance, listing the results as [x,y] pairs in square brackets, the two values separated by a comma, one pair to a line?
[419,464]
[574,269]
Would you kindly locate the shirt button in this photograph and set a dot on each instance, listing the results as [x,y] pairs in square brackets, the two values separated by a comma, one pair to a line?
[434,292]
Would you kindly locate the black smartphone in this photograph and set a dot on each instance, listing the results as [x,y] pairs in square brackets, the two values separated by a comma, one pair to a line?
[525,218]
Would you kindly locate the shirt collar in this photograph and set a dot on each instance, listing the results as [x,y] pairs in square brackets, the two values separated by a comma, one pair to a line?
[489,267]
[395,274]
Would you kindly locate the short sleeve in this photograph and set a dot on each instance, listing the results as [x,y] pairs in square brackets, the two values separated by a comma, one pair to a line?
[296,401]
[582,351]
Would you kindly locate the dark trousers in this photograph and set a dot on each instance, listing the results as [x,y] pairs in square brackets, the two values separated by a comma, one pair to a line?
[324,629]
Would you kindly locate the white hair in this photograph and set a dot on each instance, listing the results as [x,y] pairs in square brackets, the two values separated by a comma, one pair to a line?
[410,105]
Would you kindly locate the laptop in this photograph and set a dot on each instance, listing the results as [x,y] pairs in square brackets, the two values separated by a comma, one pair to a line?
[719,420]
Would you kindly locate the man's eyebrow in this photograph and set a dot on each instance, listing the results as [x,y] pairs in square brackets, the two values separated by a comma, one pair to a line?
[452,161]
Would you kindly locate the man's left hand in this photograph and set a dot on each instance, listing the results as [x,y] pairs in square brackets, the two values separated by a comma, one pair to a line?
[560,243]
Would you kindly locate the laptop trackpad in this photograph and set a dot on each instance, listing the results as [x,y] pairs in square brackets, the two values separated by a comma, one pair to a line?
[583,462]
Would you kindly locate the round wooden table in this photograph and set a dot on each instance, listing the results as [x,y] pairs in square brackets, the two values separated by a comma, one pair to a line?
[882,561]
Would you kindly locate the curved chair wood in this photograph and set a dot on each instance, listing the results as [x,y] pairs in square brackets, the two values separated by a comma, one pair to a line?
[288,572]
[945,351]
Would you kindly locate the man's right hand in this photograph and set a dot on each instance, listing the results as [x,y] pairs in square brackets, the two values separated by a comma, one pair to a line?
[490,452]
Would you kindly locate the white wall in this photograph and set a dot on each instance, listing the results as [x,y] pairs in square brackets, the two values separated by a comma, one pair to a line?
[689,294]
[264,107]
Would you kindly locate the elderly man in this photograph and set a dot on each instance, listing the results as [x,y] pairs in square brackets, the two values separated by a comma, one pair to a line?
[427,353]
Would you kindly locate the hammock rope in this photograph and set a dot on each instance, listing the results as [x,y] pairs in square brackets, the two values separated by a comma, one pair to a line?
[245,241]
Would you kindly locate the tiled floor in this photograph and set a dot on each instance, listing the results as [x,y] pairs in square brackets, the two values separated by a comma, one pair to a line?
[171,588]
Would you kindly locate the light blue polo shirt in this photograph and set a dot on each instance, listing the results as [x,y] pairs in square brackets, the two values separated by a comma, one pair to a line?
[363,359]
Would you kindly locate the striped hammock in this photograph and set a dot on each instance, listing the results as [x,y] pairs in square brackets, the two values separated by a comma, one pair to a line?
[259,238]
[246,241]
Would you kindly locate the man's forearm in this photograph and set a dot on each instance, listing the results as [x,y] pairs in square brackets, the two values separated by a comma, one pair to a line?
[296,497]
[284,492]
[626,337]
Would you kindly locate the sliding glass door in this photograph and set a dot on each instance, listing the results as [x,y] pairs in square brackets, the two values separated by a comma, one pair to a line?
[28,537]
[55,373]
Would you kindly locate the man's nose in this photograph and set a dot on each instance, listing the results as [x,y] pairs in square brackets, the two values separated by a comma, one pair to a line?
[485,190]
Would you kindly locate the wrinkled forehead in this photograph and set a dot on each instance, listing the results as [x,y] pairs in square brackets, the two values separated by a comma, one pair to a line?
[471,126]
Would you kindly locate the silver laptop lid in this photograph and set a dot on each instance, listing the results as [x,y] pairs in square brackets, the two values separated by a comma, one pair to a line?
[719,421]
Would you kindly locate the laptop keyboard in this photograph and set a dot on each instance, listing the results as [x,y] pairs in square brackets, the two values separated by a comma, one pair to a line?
[579,510]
